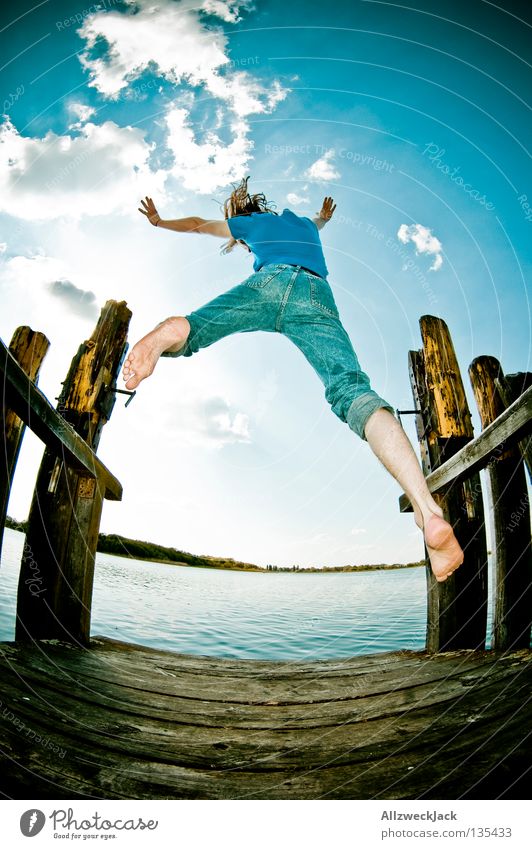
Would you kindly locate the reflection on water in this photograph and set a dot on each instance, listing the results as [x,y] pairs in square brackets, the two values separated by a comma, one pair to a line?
[270,616]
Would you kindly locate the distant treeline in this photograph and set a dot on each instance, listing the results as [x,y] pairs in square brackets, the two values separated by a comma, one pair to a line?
[365,567]
[141,550]
[16,526]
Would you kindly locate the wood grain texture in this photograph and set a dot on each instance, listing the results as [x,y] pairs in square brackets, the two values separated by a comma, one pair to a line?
[120,721]
[449,409]
[28,348]
[457,607]
[56,578]
[510,516]
[510,427]
[35,410]
[510,387]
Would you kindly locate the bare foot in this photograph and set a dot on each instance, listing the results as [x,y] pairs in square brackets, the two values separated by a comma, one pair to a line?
[444,549]
[169,335]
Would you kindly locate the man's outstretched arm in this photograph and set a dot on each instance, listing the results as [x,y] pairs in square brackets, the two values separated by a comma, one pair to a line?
[191,224]
[325,214]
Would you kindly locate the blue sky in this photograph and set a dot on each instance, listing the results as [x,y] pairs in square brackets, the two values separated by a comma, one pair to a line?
[414,119]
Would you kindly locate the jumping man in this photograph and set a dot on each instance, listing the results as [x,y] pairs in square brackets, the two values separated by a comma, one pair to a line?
[288,293]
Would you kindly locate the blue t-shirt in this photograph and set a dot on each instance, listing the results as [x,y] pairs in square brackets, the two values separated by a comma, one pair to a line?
[288,238]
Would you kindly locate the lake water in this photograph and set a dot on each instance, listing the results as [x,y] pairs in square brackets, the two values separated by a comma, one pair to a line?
[270,616]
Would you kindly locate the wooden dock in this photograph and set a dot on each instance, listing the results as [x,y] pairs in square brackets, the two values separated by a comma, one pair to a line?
[116,721]
[90,718]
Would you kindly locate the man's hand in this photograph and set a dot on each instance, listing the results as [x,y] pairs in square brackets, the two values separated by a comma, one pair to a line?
[327,209]
[150,211]
[325,214]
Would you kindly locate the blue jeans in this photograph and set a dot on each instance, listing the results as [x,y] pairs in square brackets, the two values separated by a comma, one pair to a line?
[287,299]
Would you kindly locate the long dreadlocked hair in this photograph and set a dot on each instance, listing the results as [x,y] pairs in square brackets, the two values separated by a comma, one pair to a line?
[240,202]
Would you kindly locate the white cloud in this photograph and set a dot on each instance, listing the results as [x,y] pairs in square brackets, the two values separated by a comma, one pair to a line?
[3,247]
[78,301]
[172,39]
[244,95]
[227,10]
[42,284]
[209,422]
[80,111]
[323,168]
[168,36]
[102,169]
[205,167]
[357,531]
[296,200]
[425,242]
[32,270]
[221,425]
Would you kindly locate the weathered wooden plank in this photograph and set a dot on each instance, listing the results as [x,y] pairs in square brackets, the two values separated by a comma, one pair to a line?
[350,742]
[141,662]
[75,672]
[424,423]
[404,776]
[131,657]
[475,744]
[86,670]
[66,508]
[510,516]
[28,348]
[457,607]
[510,387]
[136,708]
[512,425]
[144,687]
[296,690]
[34,409]
[241,666]
[450,416]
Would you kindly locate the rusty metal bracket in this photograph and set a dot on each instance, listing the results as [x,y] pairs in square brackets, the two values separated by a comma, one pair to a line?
[414,413]
[406,413]
[113,388]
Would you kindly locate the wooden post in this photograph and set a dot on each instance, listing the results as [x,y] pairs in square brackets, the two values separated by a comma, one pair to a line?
[29,348]
[510,387]
[457,607]
[510,515]
[56,579]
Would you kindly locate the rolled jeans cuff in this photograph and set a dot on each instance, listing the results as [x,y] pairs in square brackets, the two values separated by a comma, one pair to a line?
[362,408]
[187,350]
[173,353]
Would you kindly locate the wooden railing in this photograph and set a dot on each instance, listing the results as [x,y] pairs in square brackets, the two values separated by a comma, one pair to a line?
[452,460]
[57,569]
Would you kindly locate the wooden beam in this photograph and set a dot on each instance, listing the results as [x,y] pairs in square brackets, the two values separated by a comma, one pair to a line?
[510,387]
[510,516]
[449,409]
[34,409]
[509,428]
[457,607]
[29,349]
[57,571]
